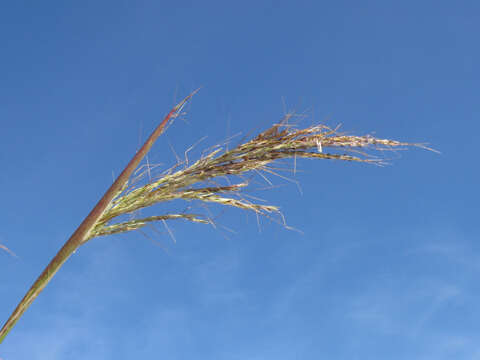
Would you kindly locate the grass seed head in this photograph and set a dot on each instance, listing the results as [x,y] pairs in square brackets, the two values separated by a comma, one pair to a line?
[187,181]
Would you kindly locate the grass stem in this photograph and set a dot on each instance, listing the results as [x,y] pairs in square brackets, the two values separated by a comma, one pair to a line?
[83,231]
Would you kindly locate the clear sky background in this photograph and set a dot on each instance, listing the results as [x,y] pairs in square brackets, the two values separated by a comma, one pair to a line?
[388,263]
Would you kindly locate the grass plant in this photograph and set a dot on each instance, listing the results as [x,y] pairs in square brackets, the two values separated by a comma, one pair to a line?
[218,176]
[3,247]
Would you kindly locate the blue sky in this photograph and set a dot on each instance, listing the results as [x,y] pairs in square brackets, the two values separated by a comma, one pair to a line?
[387,264]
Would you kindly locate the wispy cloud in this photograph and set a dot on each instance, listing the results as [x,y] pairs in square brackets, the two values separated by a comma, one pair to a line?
[217,280]
[66,327]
